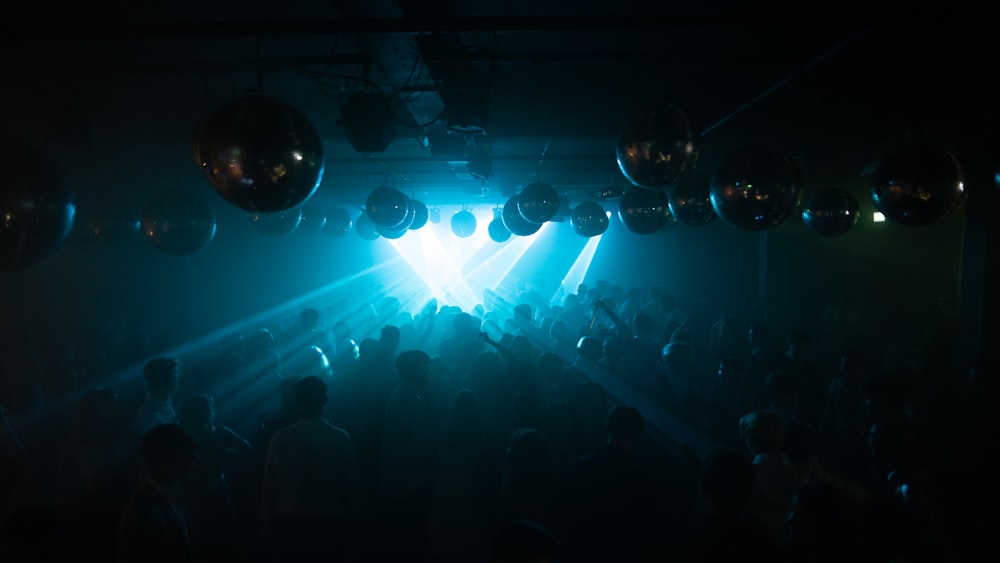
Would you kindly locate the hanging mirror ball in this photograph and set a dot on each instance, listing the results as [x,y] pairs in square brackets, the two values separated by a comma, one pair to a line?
[276,224]
[656,148]
[387,206]
[434,215]
[918,185]
[514,222]
[689,201]
[365,228]
[338,222]
[831,212]
[178,222]
[420,214]
[313,217]
[643,211]
[463,223]
[589,219]
[498,232]
[37,209]
[538,202]
[756,188]
[260,154]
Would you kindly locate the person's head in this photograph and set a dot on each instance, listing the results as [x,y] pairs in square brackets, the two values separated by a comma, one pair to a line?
[197,415]
[590,348]
[414,366]
[764,432]
[852,364]
[310,318]
[800,345]
[162,376]
[625,425]
[168,451]
[310,396]
[463,323]
[389,338]
[522,314]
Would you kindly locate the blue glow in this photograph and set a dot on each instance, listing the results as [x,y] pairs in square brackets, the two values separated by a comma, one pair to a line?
[578,271]
[441,260]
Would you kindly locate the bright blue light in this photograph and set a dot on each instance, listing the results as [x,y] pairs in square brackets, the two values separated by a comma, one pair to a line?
[578,271]
[441,260]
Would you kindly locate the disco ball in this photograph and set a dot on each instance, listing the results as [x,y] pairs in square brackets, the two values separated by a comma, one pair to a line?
[690,202]
[313,217]
[420,214]
[538,202]
[37,209]
[365,228]
[498,232]
[178,222]
[515,223]
[644,211]
[756,188]
[918,185]
[338,222]
[276,224]
[656,148]
[260,154]
[589,219]
[387,206]
[463,223]
[831,212]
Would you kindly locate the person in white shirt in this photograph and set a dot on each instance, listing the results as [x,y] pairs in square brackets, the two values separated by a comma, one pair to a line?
[313,496]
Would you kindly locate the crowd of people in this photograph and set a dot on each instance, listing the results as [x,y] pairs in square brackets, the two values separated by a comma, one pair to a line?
[506,432]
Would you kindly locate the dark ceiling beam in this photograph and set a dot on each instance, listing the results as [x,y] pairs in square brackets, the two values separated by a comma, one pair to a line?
[105,67]
[425,25]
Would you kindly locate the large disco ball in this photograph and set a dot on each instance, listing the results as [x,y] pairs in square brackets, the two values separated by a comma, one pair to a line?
[277,224]
[538,202]
[420,214]
[463,223]
[37,209]
[756,188]
[260,154]
[313,217]
[498,232]
[387,206]
[831,212]
[338,222]
[515,223]
[589,219]
[656,148]
[365,228]
[644,211]
[918,185]
[689,201]
[178,222]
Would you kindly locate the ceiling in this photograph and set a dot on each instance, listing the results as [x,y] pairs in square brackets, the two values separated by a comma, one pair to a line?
[118,91]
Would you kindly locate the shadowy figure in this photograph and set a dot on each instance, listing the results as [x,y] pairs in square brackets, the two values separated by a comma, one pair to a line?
[154,525]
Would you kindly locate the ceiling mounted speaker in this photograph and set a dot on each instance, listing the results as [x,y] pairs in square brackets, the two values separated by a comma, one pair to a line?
[260,154]
[369,122]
